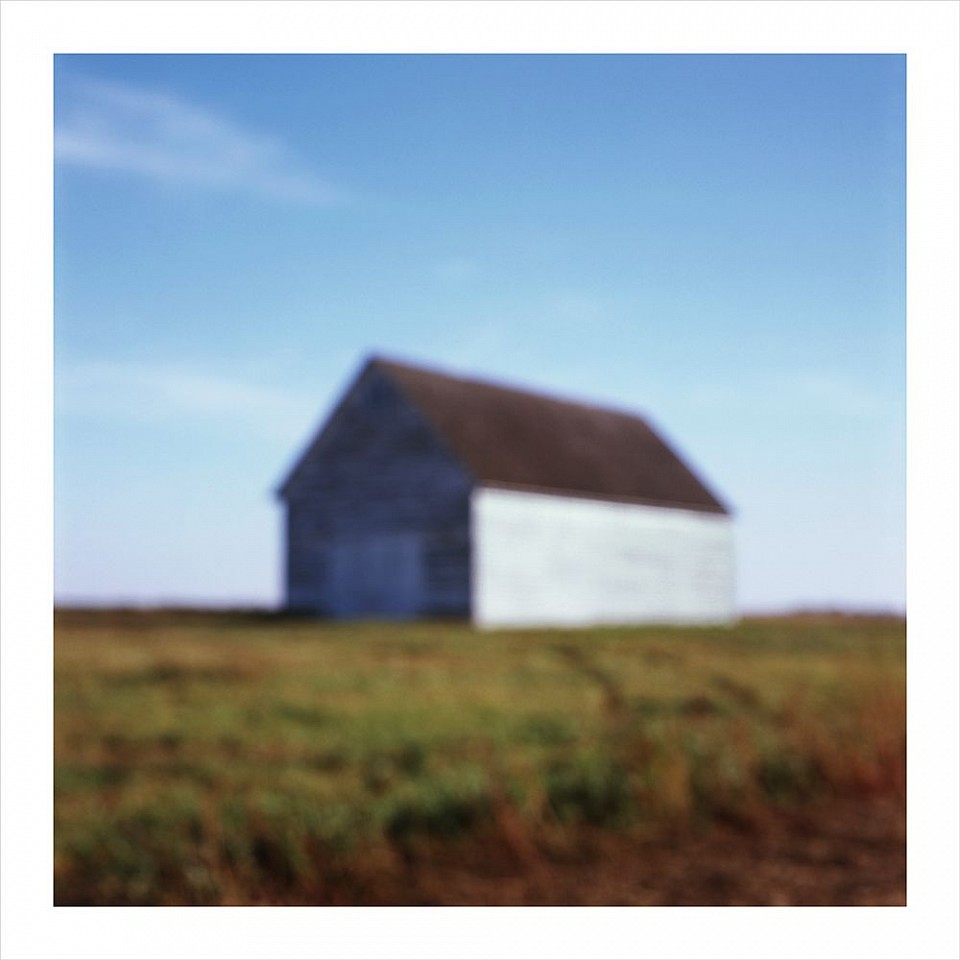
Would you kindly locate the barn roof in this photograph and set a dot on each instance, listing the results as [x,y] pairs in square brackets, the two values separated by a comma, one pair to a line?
[513,438]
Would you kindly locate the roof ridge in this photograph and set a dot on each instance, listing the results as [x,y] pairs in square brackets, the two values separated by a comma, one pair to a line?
[474,380]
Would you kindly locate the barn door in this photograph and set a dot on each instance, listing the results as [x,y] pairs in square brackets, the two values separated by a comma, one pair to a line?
[376,576]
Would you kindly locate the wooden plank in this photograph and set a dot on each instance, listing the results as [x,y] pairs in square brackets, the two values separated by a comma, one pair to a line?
[541,560]
[378,472]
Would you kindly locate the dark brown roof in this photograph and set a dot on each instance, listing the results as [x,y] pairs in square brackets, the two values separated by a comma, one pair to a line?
[513,438]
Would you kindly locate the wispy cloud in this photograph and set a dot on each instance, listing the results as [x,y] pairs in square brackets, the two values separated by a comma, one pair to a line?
[576,309]
[457,268]
[170,392]
[814,393]
[840,396]
[155,135]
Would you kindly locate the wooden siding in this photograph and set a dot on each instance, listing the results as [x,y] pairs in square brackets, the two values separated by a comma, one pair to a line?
[378,514]
[549,560]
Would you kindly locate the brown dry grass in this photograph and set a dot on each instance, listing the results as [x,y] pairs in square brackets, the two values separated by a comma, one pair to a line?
[215,758]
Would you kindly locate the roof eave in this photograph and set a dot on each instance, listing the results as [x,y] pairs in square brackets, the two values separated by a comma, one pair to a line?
[720,509]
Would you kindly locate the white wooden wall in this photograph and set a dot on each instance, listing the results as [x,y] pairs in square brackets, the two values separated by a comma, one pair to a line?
[548,560]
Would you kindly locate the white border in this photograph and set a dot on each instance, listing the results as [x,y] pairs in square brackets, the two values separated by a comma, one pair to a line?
[32,32]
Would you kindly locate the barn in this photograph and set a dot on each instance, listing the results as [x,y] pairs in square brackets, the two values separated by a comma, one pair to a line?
[427,495]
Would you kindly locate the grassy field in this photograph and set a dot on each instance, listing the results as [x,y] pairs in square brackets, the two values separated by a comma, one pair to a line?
[243,759]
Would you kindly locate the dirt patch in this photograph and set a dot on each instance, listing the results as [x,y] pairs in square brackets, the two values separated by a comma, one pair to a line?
[850,853]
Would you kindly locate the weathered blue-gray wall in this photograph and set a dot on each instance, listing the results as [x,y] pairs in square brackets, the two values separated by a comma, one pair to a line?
[378,514]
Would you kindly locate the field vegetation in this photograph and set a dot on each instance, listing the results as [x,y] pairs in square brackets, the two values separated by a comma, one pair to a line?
[216,758]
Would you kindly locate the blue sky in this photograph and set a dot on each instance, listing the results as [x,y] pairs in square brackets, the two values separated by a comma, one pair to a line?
[714,241]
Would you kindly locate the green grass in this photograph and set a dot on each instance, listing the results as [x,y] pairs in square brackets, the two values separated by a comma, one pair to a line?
[215,758]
